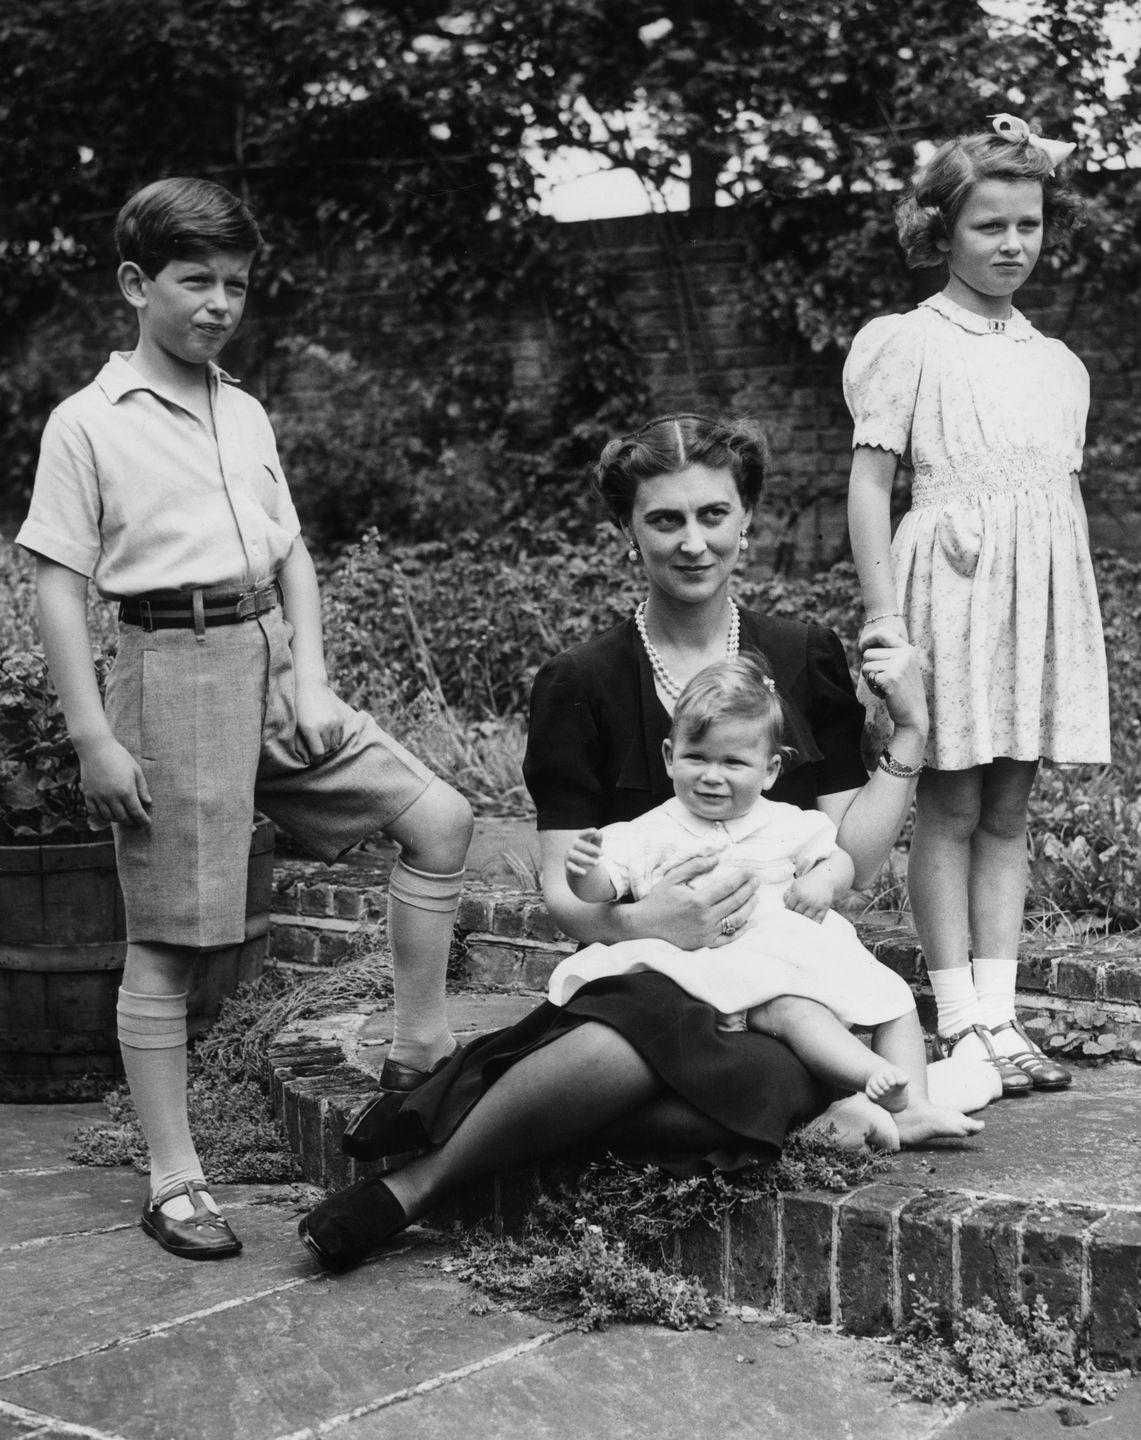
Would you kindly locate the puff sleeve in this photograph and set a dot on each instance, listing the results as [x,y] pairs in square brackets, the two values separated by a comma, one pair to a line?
[881,381]
[563,765]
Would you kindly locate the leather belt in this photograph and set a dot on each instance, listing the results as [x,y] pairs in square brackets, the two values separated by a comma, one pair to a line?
[195,610]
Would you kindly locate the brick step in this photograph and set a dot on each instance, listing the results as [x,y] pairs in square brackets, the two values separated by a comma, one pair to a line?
[513,944]
[1047,1201]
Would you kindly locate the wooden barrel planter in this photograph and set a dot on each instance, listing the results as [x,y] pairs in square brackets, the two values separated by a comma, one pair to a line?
[62,947]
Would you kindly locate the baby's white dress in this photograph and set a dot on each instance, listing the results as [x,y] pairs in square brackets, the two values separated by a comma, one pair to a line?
[778,952]
[992,567]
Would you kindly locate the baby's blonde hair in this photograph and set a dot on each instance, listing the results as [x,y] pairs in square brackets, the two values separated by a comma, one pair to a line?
[740,689]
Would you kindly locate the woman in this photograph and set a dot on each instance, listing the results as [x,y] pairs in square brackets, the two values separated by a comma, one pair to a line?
[634,1059]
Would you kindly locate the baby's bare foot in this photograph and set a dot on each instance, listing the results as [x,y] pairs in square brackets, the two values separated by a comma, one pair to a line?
[855,1122]
[887,1087]
[920,1122]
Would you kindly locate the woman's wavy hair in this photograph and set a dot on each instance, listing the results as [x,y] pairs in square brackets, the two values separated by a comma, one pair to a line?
[928,212]
[739,689]
[670,443]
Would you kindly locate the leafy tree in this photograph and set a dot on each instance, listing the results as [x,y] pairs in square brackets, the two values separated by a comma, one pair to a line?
[406,129]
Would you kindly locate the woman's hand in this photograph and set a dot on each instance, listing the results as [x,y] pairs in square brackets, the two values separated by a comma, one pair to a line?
[884,630]
[892,672]
[695,904]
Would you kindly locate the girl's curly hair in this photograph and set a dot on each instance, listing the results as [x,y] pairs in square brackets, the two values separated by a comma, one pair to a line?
[927,214]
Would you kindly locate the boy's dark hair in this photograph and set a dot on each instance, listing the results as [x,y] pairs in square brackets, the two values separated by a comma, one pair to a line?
[928,212]
[740,689]
[180,218]
[674,442]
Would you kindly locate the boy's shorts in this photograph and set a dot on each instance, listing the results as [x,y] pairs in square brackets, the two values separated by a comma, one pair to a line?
[213,726]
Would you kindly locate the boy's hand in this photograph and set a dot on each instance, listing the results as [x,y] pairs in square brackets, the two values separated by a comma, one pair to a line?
[811,894]
[584,853]
[321,720]
[114,785]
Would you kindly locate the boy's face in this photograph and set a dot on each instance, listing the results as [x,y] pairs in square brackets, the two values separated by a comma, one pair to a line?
[192,306]
[722,775]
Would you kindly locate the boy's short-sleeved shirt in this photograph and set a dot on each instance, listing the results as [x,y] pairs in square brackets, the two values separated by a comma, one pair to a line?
[134,491]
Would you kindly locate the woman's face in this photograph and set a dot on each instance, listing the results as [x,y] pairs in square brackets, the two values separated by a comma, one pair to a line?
[688,527]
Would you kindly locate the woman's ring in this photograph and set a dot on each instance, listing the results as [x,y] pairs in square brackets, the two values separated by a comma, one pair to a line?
[727,927]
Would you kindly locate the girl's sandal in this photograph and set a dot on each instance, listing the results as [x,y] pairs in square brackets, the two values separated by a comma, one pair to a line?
[1015,1080]
[1045,1074]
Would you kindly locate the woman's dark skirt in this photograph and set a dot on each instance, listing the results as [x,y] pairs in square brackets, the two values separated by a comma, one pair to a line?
[751,1084]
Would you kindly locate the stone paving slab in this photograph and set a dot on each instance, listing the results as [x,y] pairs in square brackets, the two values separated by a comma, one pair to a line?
[115,1340]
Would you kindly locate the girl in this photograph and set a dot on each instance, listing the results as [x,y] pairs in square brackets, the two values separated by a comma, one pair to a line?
[989,575]
[796,970]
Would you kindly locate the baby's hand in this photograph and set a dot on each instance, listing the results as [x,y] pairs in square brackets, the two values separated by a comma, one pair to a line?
[584,853]
[811,894]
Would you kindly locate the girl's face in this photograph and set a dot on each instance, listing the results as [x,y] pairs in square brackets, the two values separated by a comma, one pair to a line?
[995,245]
[724,774]
[688,526]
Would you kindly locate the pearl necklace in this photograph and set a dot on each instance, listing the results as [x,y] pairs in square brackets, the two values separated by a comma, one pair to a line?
[666,682]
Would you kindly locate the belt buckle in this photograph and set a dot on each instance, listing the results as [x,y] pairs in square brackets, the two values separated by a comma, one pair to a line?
[247,606]
[146,617]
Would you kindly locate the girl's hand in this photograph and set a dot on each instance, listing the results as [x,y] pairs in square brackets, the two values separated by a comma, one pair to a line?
[811,894]
[321,718]
[114,785]
[584,853]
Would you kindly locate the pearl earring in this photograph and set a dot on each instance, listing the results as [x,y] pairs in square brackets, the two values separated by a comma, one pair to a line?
[633,554]
[744,541]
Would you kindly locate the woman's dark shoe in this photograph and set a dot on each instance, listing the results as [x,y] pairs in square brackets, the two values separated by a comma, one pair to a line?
[1014,1080]
[348,1227]
[203,1235]
[400,1079]
[1045,1074]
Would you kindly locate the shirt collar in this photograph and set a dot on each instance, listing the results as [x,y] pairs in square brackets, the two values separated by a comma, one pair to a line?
[737,829]
[119,377]
[1016,326]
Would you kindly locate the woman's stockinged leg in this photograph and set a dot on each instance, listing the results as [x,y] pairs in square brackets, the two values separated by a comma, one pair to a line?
[550,1101]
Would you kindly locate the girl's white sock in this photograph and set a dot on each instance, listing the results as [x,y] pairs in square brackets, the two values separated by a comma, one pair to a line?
[955,999]
[994,985]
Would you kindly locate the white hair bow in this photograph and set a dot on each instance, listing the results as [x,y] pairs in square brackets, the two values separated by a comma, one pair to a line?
[1011,128]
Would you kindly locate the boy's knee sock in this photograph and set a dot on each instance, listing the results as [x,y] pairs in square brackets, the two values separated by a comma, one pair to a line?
[421,917]
[152,1038]
[955,999]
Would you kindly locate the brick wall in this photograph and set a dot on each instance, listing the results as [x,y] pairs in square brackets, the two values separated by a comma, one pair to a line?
[679,282]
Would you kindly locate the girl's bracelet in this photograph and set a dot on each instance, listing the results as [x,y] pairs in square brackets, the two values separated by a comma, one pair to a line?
[887,615]
[888,763]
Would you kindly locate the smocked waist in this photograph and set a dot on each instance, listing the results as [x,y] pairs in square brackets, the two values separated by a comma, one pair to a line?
[964,480]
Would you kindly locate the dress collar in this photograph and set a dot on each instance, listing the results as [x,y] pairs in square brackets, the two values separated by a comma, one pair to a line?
[1015,327]
[739,829]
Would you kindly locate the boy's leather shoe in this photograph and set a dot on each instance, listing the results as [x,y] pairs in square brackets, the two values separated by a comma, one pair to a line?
[203,1235]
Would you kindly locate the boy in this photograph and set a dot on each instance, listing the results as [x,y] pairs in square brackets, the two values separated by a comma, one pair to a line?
[161,481]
